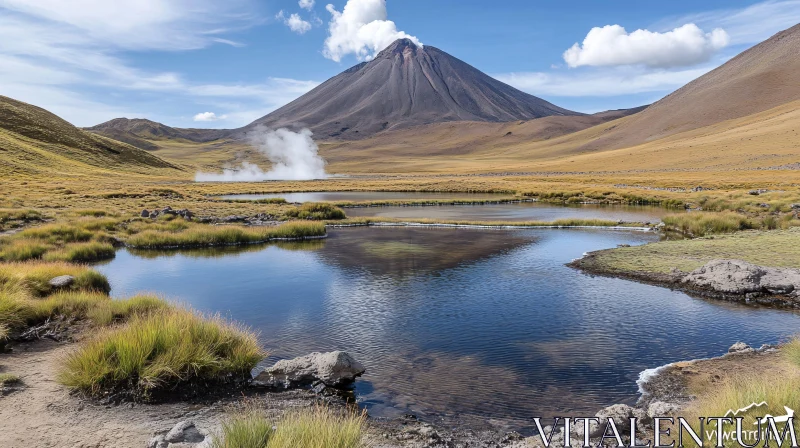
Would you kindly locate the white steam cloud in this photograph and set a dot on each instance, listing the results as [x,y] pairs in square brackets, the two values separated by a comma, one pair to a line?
[611,45]
[294,156]
[362,28]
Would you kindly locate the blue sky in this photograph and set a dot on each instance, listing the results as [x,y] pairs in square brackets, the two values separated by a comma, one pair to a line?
[205,63]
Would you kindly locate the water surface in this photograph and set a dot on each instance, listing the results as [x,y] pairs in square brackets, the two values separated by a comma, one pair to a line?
[364,196]
[472,326]
[524,211]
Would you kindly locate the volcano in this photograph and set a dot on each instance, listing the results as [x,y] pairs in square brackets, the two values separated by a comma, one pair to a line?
[406,85]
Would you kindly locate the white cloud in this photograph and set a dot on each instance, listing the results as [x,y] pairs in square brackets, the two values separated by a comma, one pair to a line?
[362,28]
[69,59]
[611,45]
[602,82]
[751,24]
[295,23]
[209,116]
[306,4]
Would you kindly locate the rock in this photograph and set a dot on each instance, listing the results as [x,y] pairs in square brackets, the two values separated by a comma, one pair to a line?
[61,281]
[154,214]
[185,432]
[741,277]
[740,347]
[621,414]
[334,369]
[145,214]
[795,206]
[661,409]
[158,442]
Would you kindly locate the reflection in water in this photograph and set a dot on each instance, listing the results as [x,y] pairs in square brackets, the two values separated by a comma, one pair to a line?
[523,211]
[361,196]
[471,325]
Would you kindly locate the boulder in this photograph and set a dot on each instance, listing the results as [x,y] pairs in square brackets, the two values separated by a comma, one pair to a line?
[158,442]
[740,347]
[145,214]
[661,409]
[62,281]
[741,277]
[334,369]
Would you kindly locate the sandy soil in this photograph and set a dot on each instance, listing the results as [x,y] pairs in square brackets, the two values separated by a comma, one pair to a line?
[42,413]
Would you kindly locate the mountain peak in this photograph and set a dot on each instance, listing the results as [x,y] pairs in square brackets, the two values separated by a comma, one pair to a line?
[406,85]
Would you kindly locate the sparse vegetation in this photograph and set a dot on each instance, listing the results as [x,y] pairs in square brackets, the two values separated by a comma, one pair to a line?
[161,350]
[307,428]
[8,378]
[792,351]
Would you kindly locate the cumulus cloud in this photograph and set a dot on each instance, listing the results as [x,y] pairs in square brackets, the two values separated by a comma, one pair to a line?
[209,116]
[611,45]
[295,23]
[362,28]
[306,4]
[294,156]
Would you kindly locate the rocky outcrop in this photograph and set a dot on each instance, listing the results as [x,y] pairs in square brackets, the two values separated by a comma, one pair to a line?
[742,278]
[334,369]
[183,213]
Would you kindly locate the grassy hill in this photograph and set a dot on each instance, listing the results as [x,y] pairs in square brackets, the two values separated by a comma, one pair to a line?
[34,141]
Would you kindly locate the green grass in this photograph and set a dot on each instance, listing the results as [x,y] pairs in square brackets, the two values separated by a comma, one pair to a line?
[61,233]
[317,212]
[160,351]
[98,308]
[82,252]
[22,250]
[205,236]
[776,248]
[33,278]
[316,427]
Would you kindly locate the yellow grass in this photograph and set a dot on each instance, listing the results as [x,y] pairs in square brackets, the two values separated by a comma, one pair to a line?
[161,350]
[316,427]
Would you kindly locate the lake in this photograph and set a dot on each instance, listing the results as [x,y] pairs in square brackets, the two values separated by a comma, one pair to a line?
[365,196]
[485,327]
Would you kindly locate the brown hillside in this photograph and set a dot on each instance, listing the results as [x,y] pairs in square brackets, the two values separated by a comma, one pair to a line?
[759,79]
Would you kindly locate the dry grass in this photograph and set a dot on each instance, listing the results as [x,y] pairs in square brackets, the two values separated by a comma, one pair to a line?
[317,212]
[316,427]
[776,248]
[32,278]
[8,378]
[792,351]
[777,390]
[205,236]
[161,350]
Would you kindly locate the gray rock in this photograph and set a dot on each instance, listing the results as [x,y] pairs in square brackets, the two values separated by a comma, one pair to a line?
[335,369]
[621,414]
[62,281]
[158,442]
[661,409]
[145,214]
[741,277]
[740,347]
[185,432]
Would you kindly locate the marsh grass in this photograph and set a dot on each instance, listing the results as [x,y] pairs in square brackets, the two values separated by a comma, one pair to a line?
[314,427]
[776,389]
[81,252]
[32,278]
[199,235]
[317,212]
[158,351]
[705,223]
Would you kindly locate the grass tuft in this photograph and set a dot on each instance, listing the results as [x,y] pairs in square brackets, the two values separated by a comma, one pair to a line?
[705,223]
[317,212]
[82,252]
[8,378]
[160,350]
[792,351]
[199,235]
[308,428]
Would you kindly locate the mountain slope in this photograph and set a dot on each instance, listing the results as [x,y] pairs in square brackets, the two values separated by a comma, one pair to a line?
[759,79]
[406,86]
[143,133]
[35,140]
